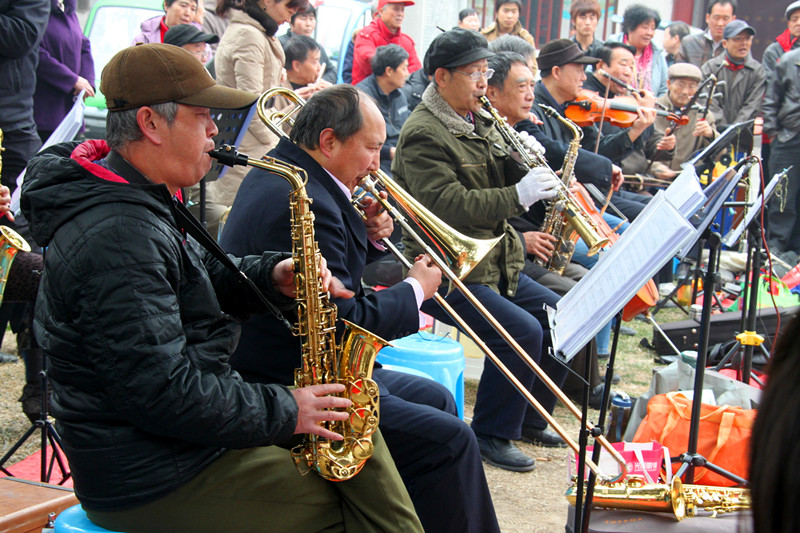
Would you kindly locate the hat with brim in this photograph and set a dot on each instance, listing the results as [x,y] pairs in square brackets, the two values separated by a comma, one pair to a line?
[735,27]
[455,48]
[382,3]
[182,34]
[561,52]
[157,73]
[794,6]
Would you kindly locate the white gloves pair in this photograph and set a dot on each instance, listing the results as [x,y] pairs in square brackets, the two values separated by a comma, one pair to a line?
[538,184]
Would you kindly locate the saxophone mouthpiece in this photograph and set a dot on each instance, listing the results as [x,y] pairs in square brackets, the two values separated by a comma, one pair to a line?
[227,155]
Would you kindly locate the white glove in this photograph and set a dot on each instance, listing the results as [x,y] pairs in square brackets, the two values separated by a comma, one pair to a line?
[531,143]
[538,184]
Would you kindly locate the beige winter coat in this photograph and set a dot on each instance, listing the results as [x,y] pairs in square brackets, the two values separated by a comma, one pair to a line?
[249,60]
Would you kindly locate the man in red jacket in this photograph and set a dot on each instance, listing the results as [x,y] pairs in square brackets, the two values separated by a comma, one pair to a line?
[384,29]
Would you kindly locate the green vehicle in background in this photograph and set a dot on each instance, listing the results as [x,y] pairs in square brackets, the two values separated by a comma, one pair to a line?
[112,24]
[110,27]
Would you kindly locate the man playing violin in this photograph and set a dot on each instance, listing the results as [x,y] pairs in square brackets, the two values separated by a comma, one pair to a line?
[683,80]
[562,81]
[618,60]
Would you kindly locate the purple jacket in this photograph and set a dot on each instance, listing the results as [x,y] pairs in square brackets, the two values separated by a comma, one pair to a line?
[64,55]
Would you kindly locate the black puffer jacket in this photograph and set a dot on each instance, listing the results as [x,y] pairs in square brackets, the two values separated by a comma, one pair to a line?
[131,316]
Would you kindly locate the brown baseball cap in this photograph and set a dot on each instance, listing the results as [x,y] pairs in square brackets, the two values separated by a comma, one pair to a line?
[157,73]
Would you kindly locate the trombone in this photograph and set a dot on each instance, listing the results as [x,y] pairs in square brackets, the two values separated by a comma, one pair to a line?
[461,253]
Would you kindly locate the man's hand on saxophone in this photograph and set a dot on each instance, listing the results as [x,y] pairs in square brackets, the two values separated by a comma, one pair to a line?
[314,405]
[283,279]
[542,245]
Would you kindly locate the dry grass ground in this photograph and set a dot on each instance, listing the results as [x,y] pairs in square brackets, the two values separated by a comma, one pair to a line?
[525,502]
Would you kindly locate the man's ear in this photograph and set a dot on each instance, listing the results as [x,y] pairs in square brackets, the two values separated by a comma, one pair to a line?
[151,124]
[441,75]
[327,142]
[492,93]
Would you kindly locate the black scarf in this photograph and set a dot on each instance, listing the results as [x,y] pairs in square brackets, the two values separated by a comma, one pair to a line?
[269,25]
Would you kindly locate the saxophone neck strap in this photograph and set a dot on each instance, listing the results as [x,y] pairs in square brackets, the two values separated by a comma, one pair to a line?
[192,226]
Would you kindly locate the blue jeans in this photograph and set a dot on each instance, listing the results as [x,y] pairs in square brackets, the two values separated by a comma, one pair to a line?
[581,249]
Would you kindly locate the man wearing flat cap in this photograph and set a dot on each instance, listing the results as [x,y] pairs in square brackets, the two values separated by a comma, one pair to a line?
[786,41]
[744,78]
[138,321]
[682,82]
[451,158]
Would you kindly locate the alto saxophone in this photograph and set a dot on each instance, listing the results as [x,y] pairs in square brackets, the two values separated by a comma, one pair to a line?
[350,363]
[556,223]
[568,208]
[676,498]
[324,361]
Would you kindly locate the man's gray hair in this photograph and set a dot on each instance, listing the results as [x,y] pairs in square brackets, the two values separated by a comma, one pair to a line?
[122,128]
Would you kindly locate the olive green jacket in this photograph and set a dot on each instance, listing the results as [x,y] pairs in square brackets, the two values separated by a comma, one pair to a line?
[464,175]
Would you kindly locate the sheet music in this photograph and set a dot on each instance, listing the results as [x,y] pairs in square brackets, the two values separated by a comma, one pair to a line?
[733,236]
[65,131]
[685,192]
[657,233]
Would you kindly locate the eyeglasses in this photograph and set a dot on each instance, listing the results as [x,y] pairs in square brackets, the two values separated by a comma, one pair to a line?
[476,76]
[202,56]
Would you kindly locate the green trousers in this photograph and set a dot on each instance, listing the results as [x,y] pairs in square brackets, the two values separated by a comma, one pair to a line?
[259,489]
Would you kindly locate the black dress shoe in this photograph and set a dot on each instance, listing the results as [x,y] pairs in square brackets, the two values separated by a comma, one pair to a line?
[614,379]
[542,437]
[625,330]
[503,454]
[8,358]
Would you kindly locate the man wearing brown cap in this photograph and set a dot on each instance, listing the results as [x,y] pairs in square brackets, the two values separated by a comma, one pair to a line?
[384,29]
[682,82]
[452,159]
[138,322]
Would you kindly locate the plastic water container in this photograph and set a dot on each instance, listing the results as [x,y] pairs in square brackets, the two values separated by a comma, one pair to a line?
[74,520]
[441,358]
[620,415]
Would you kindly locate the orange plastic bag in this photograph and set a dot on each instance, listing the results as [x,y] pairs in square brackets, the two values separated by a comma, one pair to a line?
[723,436]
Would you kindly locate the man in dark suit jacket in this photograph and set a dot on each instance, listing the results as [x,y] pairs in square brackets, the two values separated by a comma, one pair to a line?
[337,139]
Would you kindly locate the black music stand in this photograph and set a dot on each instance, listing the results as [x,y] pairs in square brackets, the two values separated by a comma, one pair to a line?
[232,125]
[49,436]
[747,337]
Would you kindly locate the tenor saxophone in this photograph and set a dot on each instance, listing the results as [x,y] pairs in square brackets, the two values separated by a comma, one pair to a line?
[564,204]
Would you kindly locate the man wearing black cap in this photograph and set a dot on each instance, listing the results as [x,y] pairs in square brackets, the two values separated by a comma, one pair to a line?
[138,322]
[451,158]
[744,77]
[191,39]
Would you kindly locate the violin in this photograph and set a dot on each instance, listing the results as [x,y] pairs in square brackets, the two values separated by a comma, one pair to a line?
[621,111]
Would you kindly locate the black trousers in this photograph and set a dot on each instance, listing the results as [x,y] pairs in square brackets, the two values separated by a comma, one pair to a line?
[436,454]
[500,410]
[20,145]
[784,227]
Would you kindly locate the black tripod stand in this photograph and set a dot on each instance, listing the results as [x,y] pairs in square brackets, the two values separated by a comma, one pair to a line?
[747,340]
[49,436]
[691,458]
